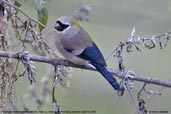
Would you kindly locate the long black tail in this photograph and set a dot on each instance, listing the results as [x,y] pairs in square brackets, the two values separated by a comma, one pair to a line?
[107,75]
[93,54]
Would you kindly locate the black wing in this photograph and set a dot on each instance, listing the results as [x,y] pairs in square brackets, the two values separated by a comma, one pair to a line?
[93,54]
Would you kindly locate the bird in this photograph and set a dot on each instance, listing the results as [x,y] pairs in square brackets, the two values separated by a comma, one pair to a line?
[75,44]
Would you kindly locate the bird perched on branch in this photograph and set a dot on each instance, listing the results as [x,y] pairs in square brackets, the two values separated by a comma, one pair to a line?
[74,43]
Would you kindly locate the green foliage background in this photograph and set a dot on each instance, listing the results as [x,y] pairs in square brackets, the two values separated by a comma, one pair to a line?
[111,21]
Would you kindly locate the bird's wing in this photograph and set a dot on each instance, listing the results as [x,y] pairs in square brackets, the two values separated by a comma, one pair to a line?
[69,56]
[77,52]
[93,54]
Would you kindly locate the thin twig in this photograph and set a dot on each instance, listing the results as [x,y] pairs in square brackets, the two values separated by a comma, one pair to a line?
[54,61]
[138,41]
[21,11]
[133,100]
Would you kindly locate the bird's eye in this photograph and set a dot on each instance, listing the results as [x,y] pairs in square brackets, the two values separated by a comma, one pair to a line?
[60,26]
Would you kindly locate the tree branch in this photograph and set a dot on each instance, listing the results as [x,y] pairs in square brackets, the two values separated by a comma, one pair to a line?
[21,11]
[54,61]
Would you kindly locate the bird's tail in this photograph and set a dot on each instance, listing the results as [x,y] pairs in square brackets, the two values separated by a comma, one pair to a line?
[107,75]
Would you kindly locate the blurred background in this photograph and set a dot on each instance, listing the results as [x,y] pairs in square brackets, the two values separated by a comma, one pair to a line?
[110,22]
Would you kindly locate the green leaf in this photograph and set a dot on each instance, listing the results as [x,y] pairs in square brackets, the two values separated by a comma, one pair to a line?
[42,17]
[17,4]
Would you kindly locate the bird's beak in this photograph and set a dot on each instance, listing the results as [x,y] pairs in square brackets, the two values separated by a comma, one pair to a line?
[57,26]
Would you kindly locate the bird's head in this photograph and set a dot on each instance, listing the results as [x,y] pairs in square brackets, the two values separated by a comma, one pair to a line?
[66,24]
